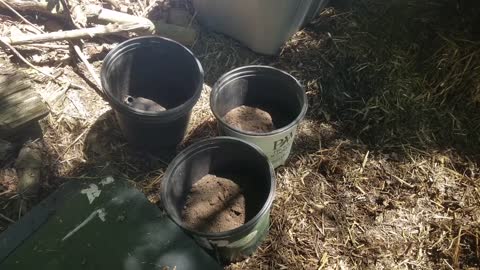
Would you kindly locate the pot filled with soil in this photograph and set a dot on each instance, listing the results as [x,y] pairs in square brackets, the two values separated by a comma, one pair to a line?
[152,84]
[262,105]
[220,191]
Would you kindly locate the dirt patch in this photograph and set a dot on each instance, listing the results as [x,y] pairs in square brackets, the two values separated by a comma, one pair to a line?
[250,119]
[214,204]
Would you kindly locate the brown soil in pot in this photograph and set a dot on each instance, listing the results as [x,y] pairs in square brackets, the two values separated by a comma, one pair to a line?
[214,204]
[250,119]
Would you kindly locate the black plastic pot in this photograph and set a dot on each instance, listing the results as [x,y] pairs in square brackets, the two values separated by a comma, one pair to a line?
[235,159]
[270,89]
[158,69]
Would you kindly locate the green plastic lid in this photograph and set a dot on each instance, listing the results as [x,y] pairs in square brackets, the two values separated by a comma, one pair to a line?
[102,225]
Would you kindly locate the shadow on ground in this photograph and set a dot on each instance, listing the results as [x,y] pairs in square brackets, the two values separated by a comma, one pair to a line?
[380,83]
[206,129]
[107,152]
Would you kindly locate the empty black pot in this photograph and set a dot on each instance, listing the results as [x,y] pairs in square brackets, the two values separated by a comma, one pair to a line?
[159,70]
[235,159]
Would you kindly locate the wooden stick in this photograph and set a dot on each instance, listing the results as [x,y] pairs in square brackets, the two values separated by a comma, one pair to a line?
[74,34]
[7,218]
[89,66]
[73,143]
[402,181]
[99,14]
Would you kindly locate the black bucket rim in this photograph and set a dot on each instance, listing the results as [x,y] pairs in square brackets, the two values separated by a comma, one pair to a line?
[202,145]
[250,70]
[135,43]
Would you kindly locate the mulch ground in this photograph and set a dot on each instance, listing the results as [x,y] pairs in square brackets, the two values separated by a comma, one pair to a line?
[384,172]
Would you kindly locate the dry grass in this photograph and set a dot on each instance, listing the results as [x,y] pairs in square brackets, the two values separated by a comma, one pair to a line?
[385,169]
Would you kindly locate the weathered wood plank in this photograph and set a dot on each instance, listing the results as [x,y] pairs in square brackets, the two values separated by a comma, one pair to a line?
[19,104]
[14,116]
[10,84]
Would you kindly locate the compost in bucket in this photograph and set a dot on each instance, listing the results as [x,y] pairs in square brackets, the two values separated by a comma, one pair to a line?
[251,119]
[214,204]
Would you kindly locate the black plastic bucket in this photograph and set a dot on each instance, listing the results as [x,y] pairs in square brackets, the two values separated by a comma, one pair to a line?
[157,69]
[235,159]
[269,89]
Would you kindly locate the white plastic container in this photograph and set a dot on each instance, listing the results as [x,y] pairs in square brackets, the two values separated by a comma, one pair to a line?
[263,25]
[270,89]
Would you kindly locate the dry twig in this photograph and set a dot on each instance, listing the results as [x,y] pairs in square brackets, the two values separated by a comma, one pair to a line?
[7,218]
[89,66]
[74,34]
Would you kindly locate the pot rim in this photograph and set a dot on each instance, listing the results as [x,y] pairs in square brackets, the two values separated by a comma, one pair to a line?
[137,43]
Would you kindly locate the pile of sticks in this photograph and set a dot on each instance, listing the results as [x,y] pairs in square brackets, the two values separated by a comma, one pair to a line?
[105,21]
[19,104]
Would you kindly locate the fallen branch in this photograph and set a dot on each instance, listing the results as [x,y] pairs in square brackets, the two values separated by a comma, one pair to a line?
[74,34]
[89,66]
